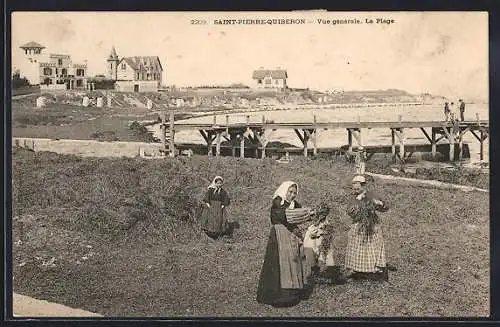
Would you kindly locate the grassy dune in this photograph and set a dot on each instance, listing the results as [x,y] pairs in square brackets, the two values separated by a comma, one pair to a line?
[120,237]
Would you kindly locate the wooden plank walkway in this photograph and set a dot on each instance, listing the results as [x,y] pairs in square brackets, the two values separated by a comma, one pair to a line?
[178,126]
[251,135]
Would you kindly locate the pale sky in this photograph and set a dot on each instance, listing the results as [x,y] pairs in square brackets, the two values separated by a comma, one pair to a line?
[443,53]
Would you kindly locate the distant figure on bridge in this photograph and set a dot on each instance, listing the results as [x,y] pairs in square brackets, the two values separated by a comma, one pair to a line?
[462,109]
[213,217]
[446,111]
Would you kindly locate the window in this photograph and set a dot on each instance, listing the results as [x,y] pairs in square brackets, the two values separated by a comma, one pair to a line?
[57,71]
[64,72]
[79,83]
[148,76]
[124,66]
[59,62]
[47,71]
[259,81]
[80,72]
[268,81]
[46,81]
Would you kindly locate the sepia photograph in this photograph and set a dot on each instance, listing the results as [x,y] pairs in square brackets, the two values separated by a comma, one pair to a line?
[293,164]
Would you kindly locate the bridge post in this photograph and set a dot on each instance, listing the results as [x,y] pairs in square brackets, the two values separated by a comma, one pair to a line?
[460,142]
[481,149]
[217,144]
[242,145]
[402,144]
[172,133]
[451,139]
[393,144]
[210,141]
[163,128]
[433,142]
[349,139]
[306,139]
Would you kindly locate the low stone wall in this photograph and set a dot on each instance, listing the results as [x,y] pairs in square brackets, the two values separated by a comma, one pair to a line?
[90,148]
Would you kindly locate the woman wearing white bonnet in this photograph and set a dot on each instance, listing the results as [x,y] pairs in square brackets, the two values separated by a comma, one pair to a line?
[365,252]
[214,217]
[285,277]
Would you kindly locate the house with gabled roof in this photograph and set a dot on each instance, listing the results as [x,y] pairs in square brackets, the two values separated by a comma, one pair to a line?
[270,78]
[135,74]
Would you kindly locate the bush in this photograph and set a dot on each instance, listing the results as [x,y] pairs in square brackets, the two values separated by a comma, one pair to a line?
[140,132]
[103,84]
[105,136]
[19,82]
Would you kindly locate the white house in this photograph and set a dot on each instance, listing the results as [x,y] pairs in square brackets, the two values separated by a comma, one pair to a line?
[270,78]
[51,70]
[135,74]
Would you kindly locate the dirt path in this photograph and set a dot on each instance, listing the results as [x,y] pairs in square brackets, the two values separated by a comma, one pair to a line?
[25,306]
[434,183]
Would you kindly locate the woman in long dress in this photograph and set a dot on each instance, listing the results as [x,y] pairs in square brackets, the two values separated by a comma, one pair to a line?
[285,277]
[213,217]
[365,251]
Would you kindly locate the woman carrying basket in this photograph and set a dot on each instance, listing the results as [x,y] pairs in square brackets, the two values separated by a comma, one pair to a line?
[286,274]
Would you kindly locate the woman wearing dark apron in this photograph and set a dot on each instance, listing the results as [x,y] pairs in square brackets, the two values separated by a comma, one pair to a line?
[213,217]
[286,274]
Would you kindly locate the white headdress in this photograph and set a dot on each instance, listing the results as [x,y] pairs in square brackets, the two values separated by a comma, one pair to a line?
[283,189]
[213,185]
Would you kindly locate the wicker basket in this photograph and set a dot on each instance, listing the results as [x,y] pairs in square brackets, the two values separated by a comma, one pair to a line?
[297,216]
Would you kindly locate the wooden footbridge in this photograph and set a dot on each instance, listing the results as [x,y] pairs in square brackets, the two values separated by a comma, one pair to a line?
[251,135]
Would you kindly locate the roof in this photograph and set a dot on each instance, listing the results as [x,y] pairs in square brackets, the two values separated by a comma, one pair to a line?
[274,73]
[143,62]
[32,45]
[113,54]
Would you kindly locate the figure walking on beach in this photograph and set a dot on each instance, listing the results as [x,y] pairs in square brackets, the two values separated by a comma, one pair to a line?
[462,109]
[213,217]
[286,275]
[365,253]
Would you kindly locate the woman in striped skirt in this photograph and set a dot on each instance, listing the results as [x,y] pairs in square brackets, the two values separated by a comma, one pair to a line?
[213,217]
[365,244]
[285,277]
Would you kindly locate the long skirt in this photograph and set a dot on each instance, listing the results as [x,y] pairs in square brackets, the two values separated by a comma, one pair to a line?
[365,255]
[285,277]
[213,219]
